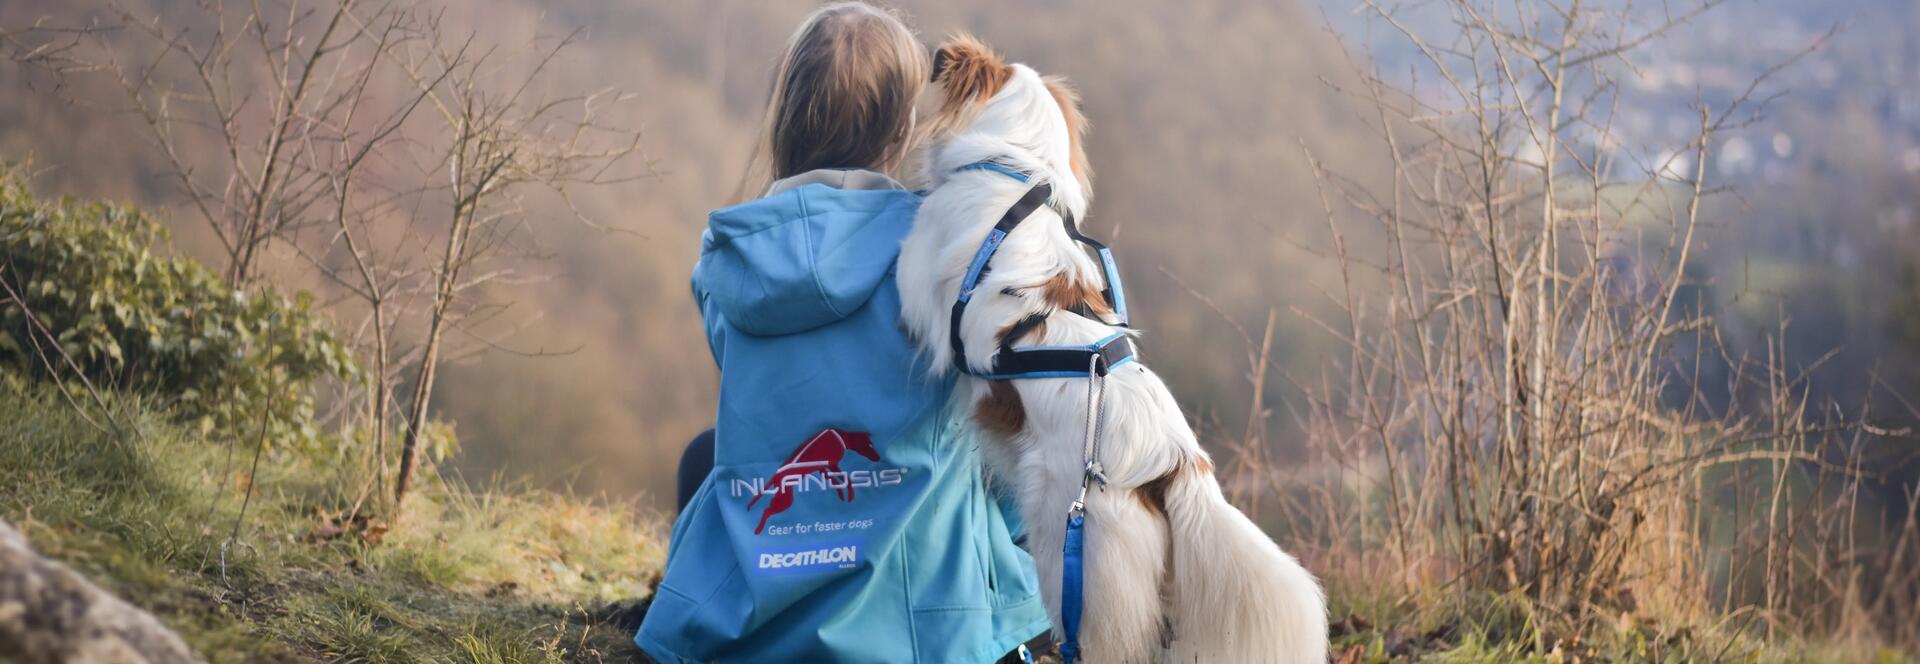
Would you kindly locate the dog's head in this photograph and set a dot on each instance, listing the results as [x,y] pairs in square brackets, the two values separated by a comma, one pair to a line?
[984,94]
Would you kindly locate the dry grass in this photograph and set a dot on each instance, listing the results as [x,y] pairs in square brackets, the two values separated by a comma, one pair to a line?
[505,575]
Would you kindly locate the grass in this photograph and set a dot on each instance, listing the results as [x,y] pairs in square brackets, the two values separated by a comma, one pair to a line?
[1371,627]
[510,575]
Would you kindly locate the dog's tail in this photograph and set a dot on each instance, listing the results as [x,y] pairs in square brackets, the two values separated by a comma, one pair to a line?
[1236,596]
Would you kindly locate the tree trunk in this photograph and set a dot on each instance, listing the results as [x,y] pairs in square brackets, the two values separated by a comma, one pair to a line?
[417,412]
[381,392]
[465,207]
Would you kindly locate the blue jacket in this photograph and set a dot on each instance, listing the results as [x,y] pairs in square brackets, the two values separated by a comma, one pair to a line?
[845,519]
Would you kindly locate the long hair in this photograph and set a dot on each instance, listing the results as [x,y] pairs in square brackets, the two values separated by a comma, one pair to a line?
[843,96]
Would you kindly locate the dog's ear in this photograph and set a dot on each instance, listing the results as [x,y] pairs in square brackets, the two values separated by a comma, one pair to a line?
[968,71]
[940,58]
[1069,101]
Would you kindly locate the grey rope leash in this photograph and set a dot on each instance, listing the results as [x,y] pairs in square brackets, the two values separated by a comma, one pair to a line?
[1091,470]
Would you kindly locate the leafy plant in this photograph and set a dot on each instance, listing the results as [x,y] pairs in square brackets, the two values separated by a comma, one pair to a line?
[86,292]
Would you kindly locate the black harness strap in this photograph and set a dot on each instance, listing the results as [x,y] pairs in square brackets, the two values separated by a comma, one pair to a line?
[978,269]
[1111,289]
[1062,361]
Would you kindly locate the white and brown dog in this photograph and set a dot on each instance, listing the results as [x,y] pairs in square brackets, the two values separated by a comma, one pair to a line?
[1173,571]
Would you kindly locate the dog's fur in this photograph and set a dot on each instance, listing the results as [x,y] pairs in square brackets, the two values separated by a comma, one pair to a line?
[1173,571]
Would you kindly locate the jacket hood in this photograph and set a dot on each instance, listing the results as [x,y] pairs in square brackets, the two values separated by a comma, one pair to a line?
[802,257]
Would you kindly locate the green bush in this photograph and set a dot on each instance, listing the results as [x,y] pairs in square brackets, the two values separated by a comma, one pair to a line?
[168,328]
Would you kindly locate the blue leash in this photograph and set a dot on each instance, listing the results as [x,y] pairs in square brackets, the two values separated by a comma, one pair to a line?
[1070,583]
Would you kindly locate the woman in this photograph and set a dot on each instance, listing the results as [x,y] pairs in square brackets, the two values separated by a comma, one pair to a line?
[844,518]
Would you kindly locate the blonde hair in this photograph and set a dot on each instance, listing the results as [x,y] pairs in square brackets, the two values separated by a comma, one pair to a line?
[843,94]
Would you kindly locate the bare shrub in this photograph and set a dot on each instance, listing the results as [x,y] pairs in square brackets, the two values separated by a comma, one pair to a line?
[393,157]
[1533,398]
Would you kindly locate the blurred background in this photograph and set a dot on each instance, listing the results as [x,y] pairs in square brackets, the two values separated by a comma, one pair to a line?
[1201,114]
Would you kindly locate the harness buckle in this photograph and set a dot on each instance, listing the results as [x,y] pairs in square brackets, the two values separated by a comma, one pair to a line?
[1113,353]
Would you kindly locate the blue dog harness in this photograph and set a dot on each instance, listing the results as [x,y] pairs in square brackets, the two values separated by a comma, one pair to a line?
[1093,361]
[1039,361]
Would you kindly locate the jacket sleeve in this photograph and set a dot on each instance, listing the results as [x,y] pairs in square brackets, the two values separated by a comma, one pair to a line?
[710,318]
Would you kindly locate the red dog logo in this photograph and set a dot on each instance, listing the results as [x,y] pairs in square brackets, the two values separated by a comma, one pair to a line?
[820,454]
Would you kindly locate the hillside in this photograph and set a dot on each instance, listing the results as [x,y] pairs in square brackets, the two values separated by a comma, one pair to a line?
[501,575]
[506,574]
